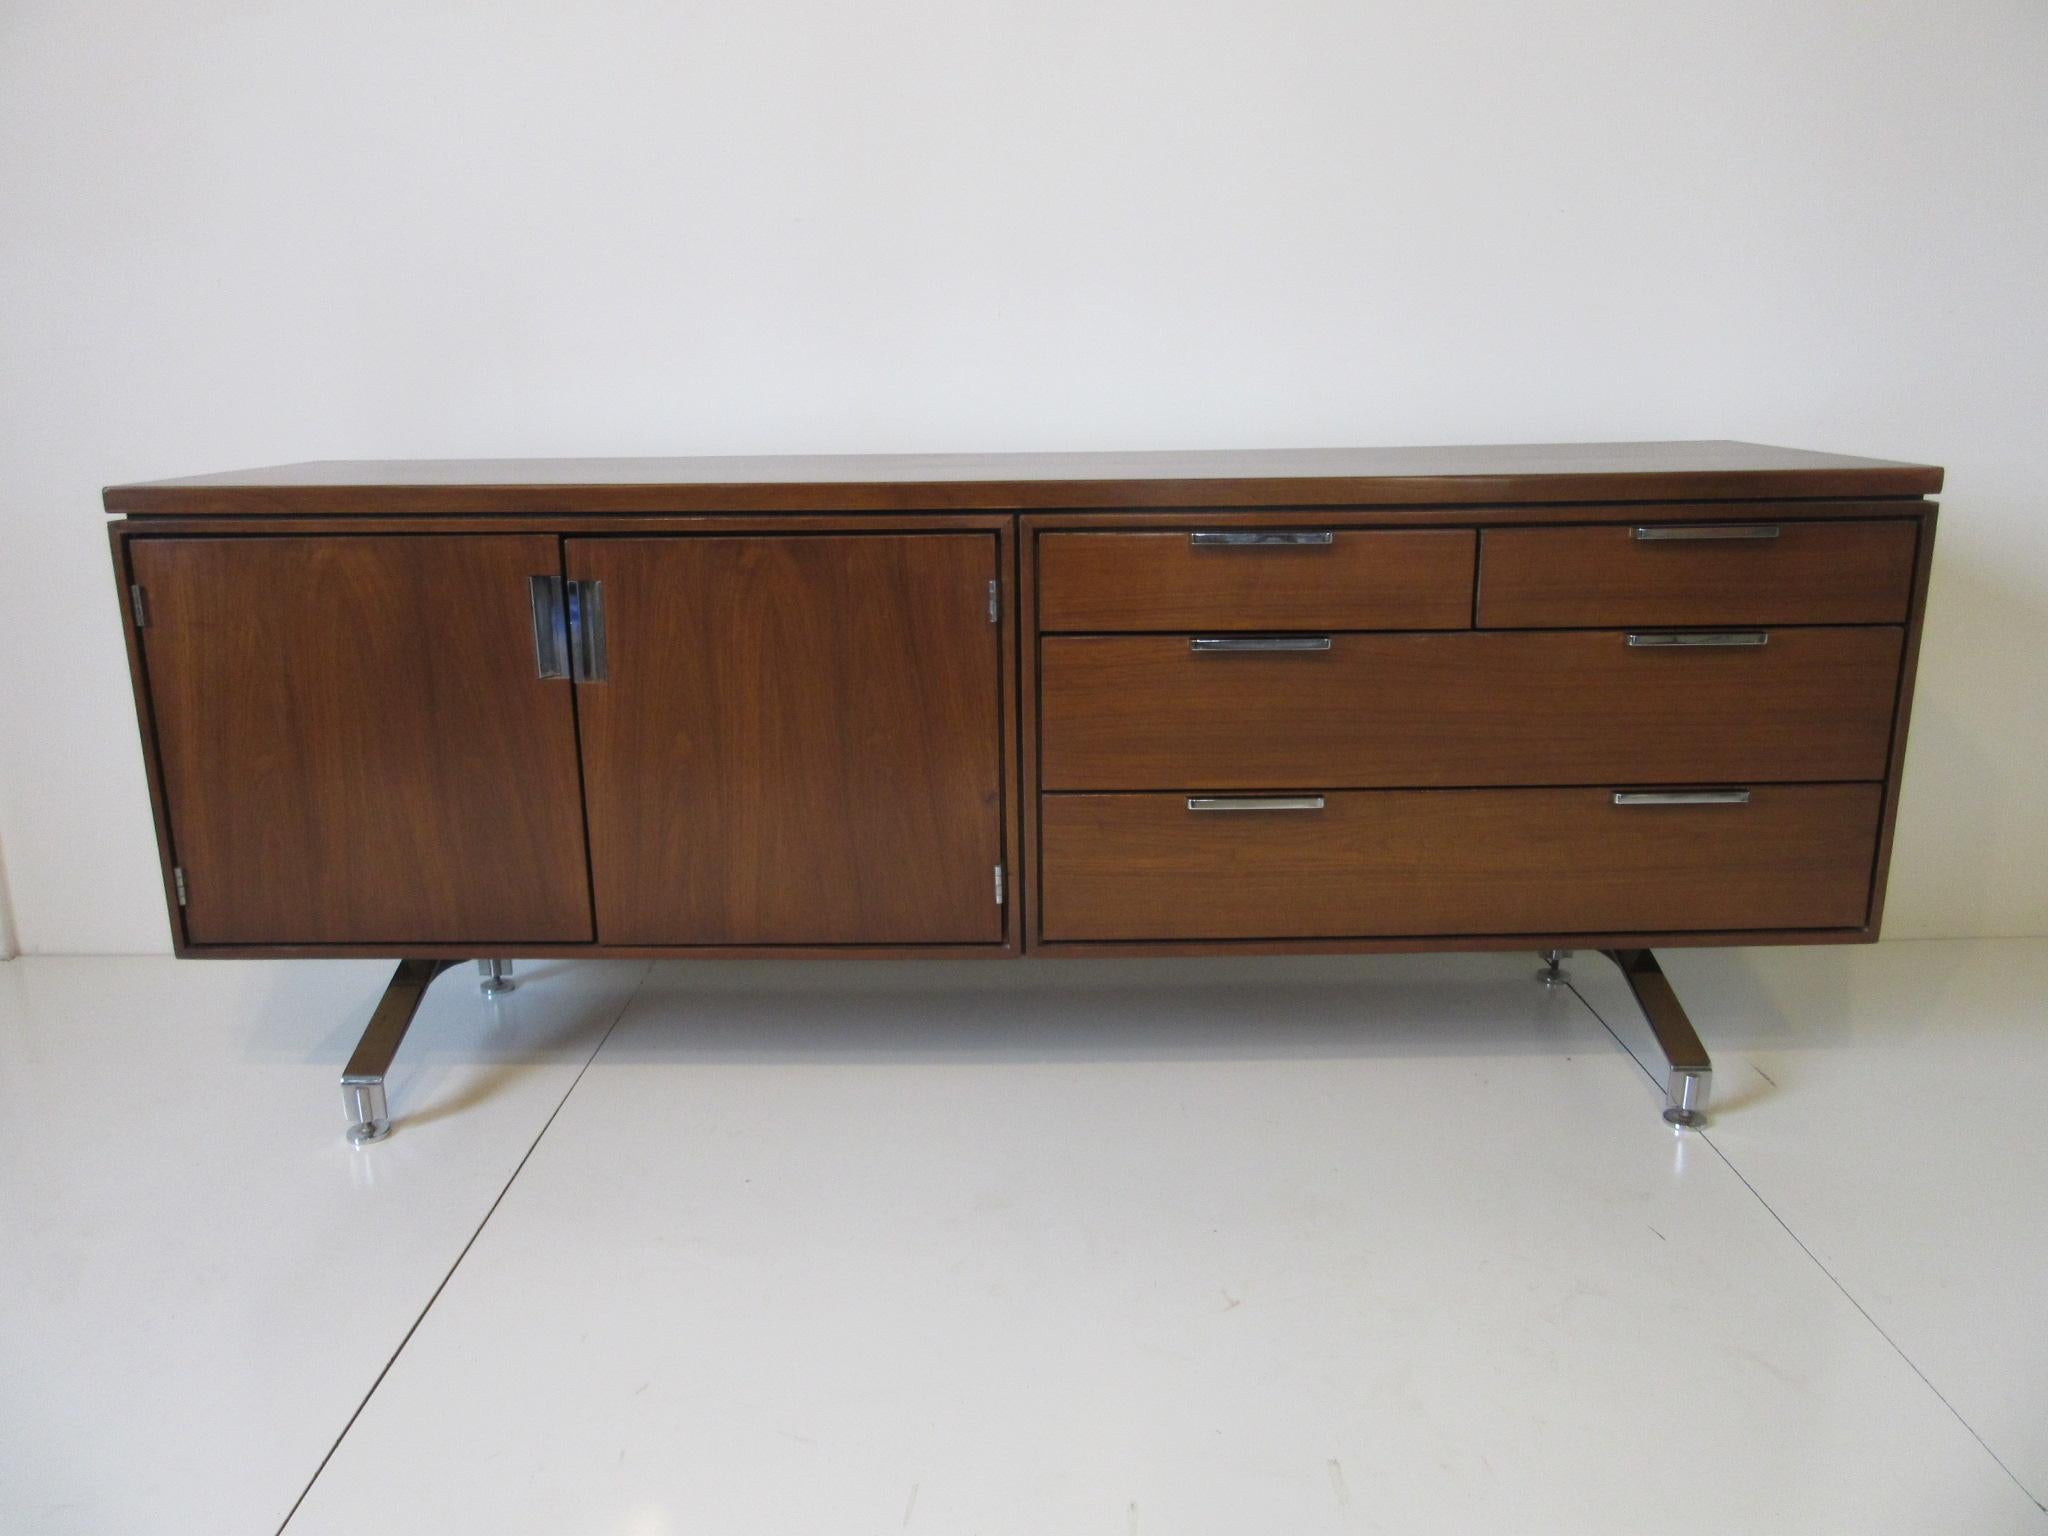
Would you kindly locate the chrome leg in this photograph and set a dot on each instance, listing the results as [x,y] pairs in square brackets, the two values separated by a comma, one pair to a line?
[497,977]
[362,1080]
[1691,1075]
[1553,973]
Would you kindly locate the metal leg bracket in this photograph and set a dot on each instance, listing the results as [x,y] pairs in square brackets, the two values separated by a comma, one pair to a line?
[1691,1073]
[362,1081]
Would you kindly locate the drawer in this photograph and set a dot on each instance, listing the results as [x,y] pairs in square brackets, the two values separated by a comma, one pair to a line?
[1544,862]
[1131,712]
[1697,573]
[1257,578]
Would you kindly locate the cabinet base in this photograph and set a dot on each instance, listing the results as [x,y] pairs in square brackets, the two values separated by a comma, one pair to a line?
[367,1106]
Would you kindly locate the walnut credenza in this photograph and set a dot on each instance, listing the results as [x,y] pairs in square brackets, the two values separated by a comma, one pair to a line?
[1598,696]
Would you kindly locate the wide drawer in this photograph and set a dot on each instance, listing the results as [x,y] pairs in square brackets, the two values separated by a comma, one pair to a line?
[1545,862]
[1697,573]
[1257,578]
[1135,712]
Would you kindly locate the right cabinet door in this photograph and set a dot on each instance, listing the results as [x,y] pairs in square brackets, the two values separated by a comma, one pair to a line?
[797,739]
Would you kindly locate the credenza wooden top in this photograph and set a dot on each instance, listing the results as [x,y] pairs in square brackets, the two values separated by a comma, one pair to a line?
[1331,477]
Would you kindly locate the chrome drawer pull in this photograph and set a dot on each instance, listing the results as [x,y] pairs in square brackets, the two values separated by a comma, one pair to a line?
[1208,644]
[1750,638]
[588,654]
[1255,802]
[1259,538]
[1681,797]
[550,626]
[1691,531]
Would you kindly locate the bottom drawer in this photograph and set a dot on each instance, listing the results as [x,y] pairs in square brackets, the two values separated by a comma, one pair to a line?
[1454,861]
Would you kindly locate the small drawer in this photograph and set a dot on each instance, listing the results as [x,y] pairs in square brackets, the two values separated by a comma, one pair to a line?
[1257,578]
[1133,712]
[1752,572]
[1418,863]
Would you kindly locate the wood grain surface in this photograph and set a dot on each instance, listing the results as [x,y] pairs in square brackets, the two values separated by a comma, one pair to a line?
[1810,573]
[1450,862]
[1274,477]
[799,742]
[1361,579]
[355,745]
[1131,712]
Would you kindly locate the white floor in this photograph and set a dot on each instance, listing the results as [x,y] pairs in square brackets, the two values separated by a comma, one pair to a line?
[1296,1246]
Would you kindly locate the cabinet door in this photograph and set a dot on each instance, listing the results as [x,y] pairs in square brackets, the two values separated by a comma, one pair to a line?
[356,745]
[797,741]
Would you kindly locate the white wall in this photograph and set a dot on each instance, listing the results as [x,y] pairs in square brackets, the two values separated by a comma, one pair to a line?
[239,234]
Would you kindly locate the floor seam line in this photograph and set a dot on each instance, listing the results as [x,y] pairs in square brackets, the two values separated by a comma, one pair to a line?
[1833,1279]
[442,1285]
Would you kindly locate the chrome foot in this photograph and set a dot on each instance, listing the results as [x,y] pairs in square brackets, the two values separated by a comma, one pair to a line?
[1553,973]
[368,1112]
[497,977]
[1685,1098]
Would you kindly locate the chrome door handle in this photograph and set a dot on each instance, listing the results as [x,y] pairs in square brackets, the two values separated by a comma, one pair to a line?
[1675,532]
[1260,538]
[1681,797]
[1210,644]
[550,626]
[588,654]
[1255,802]
[1742,638]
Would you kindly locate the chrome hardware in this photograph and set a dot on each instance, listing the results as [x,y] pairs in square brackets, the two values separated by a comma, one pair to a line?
[1674,532]
[589,662]
[1213,644]
[1685,1097]
[367,1109]
[999,885]
[1681,797]
[550,626]
[1260,538]
[1255,802]
[1727,639]
[1553,973]
[138,604]
[178,881]
[1690,1072]
[363,1098]
[497,977]
[995,602]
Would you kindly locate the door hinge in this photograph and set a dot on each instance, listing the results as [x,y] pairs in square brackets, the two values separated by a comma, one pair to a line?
[138,604]
[995,603]
[999,885]
[178,880]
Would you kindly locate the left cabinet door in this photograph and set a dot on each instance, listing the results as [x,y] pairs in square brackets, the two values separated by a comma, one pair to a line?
[355,742]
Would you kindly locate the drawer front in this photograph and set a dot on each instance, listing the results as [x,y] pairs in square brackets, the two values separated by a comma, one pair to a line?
[1456,862]
[1135,712]
[1257,578]
[1697,573]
